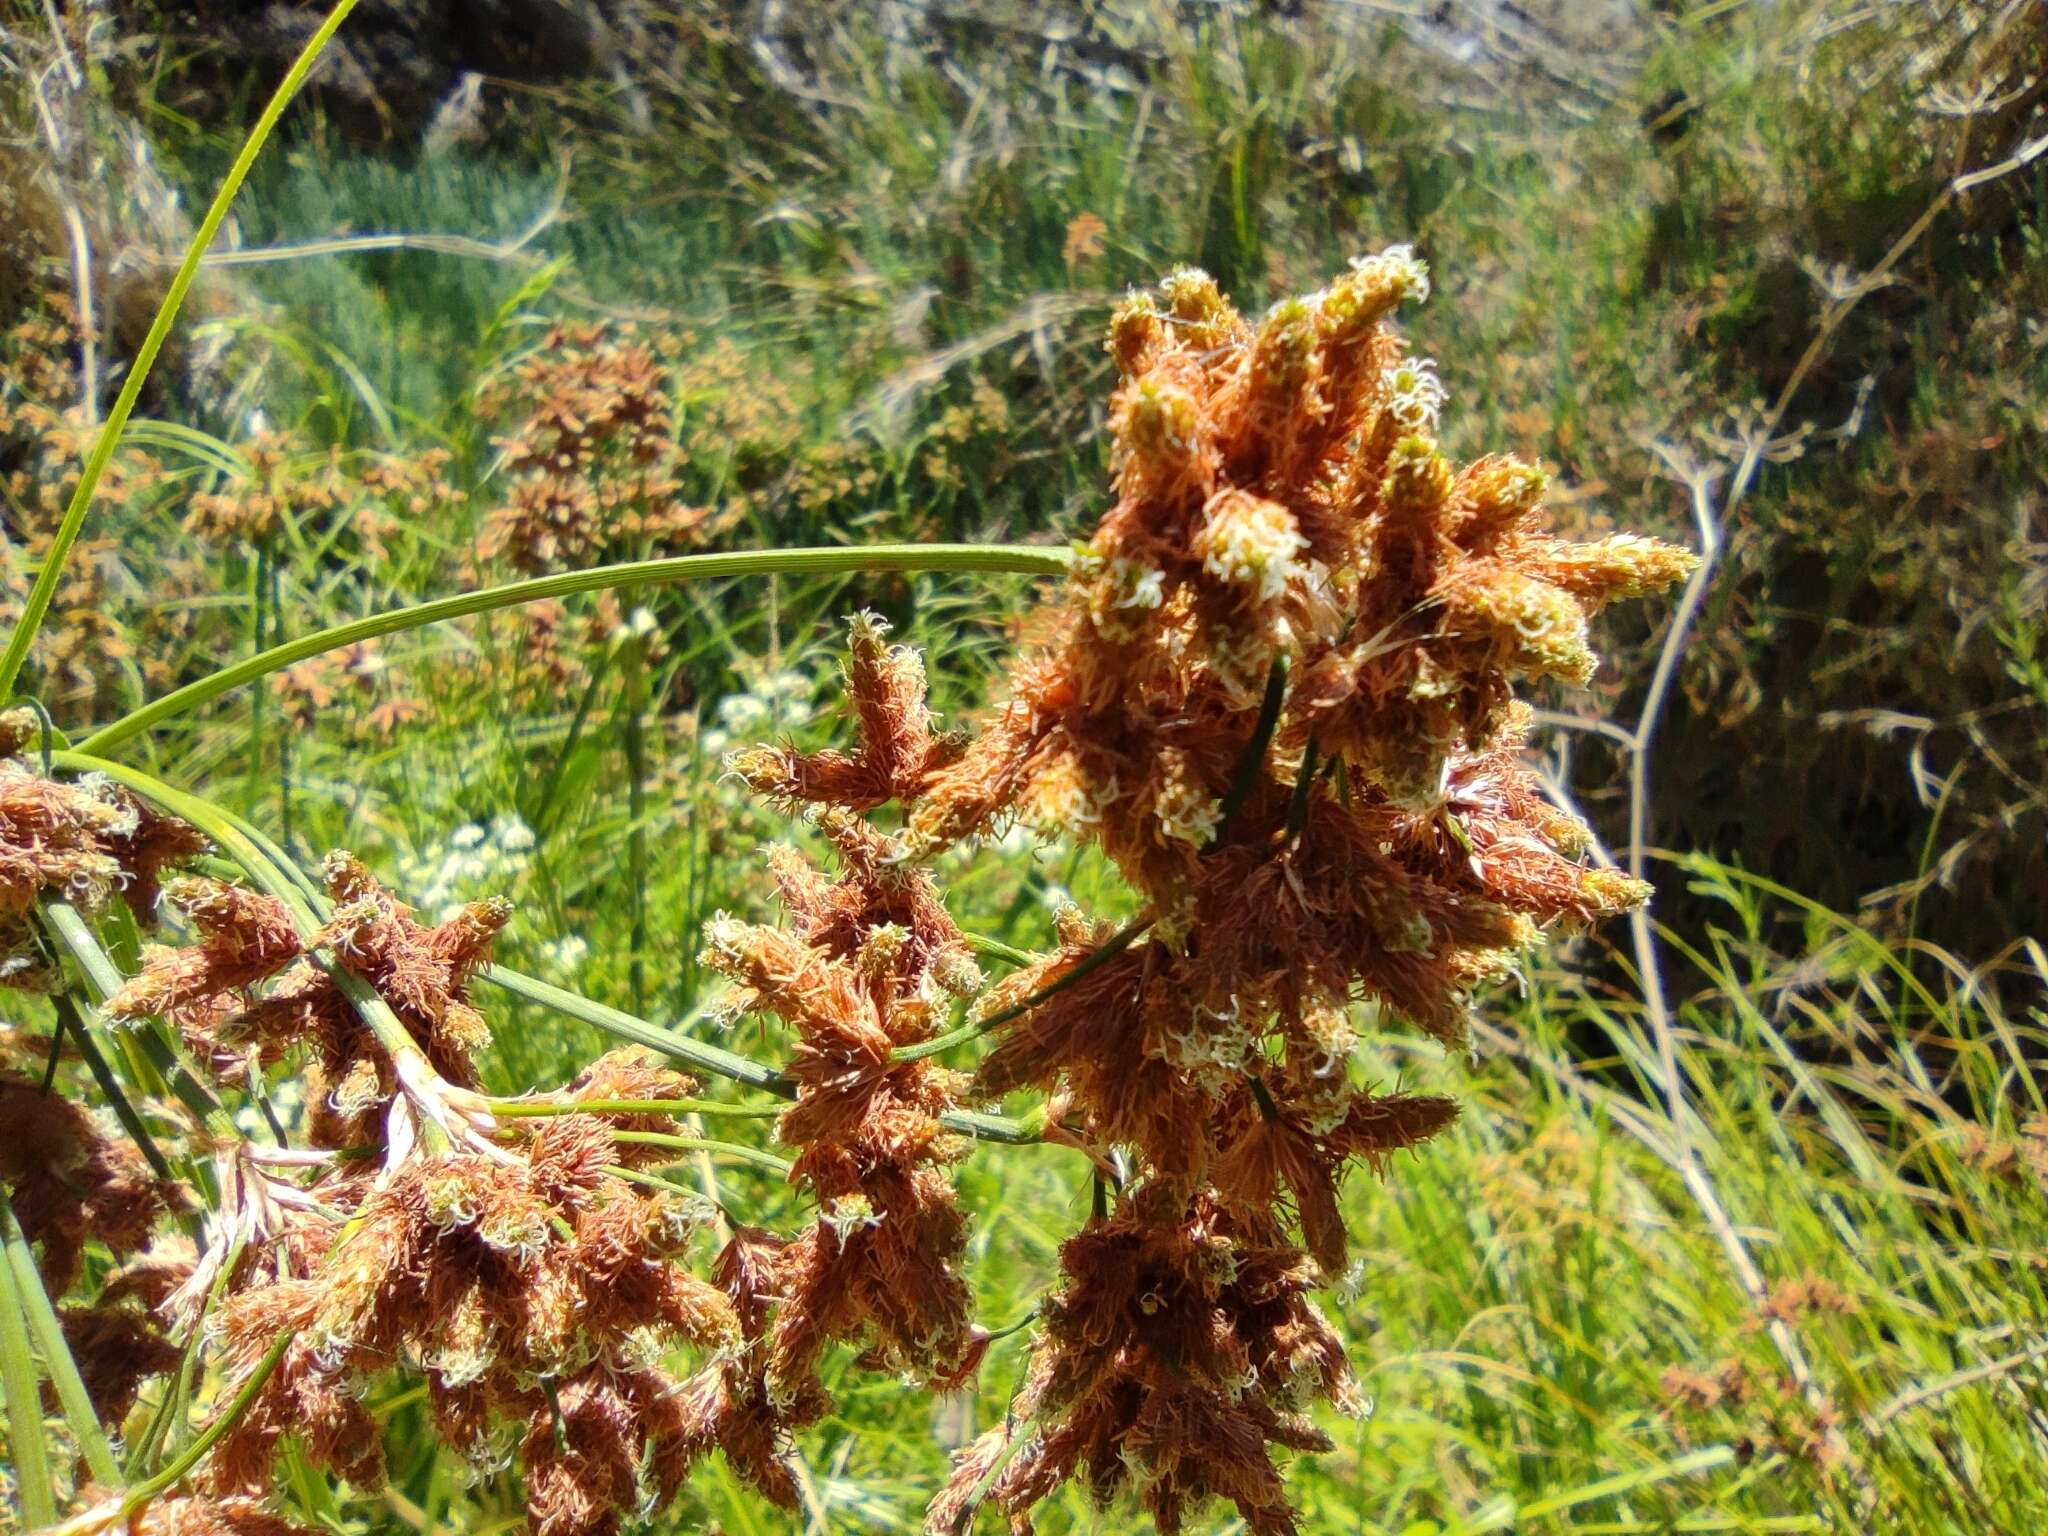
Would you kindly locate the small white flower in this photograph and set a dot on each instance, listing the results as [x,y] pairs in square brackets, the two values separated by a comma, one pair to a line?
[1135,585]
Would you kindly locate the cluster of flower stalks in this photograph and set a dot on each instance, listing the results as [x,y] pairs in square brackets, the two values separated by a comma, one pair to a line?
[1278,695]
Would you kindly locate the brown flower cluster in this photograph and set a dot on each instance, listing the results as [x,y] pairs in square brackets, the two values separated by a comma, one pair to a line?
[534,1279]
[70,1182]
[865,968]
[538,1291]
[592,461]
[207,991]
[87,647]
[1180,1347]
[284,482]
[1280,698]
[80,843]
[356,675]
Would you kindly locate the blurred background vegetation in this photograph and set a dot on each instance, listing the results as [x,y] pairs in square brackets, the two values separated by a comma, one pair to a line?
[871,248]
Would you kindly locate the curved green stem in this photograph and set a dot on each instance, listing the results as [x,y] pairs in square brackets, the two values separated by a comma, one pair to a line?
[1017,559]
[735,1149]
[624,1026]
[103,447]
[527,1109]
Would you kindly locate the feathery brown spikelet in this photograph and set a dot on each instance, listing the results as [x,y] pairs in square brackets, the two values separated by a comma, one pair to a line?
[868,960]
[1175,1353]
[897,748]
[592,461]
[70,1182]
[115,1347]
[526,1284]
[247,938]
[79,842]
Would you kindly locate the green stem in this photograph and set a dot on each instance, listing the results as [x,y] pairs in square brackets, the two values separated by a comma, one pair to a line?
[48,1332]
[1017,559]
[745,1154]
[1109,949]
[104,979]
[284,734]
[45,588]
[996,949]
[69,1018]
[22,1388]
[636,817]
[1304,786]
[224,1421]
[544,809]
[1254,756]
[624,1026]
[519,1109]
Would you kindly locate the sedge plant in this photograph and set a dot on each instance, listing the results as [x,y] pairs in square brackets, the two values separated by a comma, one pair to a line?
[1278,694]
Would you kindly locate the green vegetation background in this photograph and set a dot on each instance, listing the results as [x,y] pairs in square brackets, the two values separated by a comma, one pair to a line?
[887,290]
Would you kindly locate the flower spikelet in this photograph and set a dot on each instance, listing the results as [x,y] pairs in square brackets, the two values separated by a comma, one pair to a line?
[527,1286]
[70,1181]
[896,749]
[1174,1355]
[861,971]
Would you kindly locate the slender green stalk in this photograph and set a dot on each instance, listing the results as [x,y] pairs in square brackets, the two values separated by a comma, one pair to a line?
[723,1063]
[1016,559]
[735,1149]
[1254,755]
[636,816]
[104,980]
[45,588]
[69,1019]
[274,601]
[519,1109]
[48,1334]
[172,1409]
[624,1026]
[22,1387]
[996,949]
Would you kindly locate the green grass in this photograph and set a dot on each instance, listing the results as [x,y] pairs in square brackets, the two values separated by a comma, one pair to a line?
[1529,1280]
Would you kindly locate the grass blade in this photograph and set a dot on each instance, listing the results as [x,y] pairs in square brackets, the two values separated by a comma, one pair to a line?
[48,1334]
[22,1386]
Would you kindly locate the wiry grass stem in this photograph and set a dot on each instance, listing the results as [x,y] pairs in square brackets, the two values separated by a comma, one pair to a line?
[45,588]
[1016,559]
